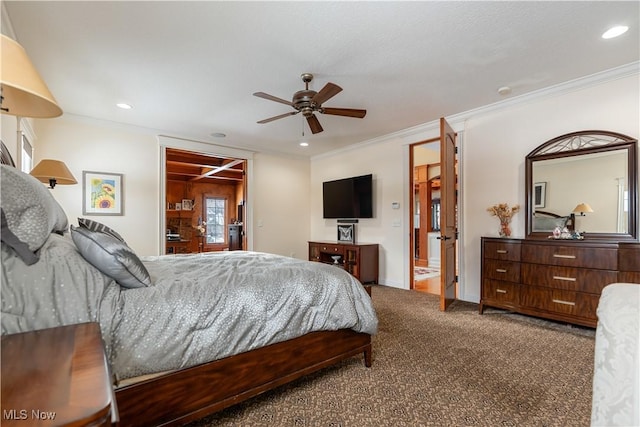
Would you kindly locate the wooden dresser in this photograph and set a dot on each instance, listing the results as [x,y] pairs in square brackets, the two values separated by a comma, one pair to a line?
[359,259]
[560,280]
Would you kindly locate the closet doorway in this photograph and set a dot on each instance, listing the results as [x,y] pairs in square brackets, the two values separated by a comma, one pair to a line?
[205,202]
[433,210]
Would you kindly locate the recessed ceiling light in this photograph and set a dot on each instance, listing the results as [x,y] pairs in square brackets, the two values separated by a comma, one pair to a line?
[504,90]
[218,135]
[304,144]
[615,31]
[124,106]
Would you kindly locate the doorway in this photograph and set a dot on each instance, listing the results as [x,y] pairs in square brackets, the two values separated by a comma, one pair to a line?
[205,202]
[433,248]
[425,192]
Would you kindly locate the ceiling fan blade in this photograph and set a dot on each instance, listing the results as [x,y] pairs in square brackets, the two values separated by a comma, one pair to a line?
[281,116]
[348,112]
[314,124]
[272,98]
[328,91]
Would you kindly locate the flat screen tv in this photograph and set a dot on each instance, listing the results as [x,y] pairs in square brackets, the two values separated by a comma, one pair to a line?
[348,198]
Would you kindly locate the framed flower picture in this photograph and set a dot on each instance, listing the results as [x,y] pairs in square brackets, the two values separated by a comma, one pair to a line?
[102,193]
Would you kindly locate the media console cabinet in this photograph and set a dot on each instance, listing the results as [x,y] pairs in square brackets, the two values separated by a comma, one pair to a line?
[556,279]
[359,259]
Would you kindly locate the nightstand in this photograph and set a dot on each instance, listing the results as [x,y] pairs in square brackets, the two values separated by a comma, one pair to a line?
[57,376]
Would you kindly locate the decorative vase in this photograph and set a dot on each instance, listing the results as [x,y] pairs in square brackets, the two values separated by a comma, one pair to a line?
[505,229]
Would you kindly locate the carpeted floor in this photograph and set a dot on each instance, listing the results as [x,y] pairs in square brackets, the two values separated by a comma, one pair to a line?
[440,369]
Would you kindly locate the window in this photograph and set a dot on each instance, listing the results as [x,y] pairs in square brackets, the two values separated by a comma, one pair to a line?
[215,214]
[27,154]
[435,215]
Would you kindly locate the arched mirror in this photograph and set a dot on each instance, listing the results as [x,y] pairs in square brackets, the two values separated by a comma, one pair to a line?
[586,182]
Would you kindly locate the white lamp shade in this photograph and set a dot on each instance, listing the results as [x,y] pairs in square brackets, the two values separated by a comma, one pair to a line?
[24,92]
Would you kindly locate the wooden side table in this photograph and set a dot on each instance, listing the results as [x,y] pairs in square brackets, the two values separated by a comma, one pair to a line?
[57,377]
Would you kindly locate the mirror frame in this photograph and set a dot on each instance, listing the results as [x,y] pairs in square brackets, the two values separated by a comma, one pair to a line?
[576,144]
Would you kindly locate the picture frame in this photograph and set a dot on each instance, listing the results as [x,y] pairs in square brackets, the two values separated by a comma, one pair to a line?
[102,193]
[347,233]
[187,205]
[539,194]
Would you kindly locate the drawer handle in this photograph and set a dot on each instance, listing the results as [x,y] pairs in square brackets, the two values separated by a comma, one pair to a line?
[568,279]
[501,270]
[564,256]
[501,291]
[559,301]
[502,251]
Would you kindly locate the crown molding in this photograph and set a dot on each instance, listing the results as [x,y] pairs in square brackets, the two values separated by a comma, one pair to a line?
[415,133]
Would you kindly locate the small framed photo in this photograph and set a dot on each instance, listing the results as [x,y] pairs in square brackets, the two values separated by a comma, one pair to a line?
[178,206]
[187,205]
[102,193]
[539,194]
[347,233]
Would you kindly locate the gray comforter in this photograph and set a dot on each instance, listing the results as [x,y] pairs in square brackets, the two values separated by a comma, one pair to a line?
[201,307]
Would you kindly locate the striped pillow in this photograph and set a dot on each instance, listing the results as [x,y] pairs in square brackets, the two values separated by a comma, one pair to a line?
[98,227]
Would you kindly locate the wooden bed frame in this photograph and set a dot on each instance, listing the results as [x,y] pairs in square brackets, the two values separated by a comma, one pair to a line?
[193,393]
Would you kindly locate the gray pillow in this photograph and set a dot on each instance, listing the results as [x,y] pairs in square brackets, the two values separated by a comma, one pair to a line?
[92,225]
[30,211]
[112,257]
[549,224]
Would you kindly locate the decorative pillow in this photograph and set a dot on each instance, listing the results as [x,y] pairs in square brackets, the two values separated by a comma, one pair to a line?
[549,224]
[30,211]
[112,257]
[92,225]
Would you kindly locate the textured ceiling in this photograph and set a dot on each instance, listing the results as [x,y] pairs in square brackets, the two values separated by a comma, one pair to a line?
[190,68]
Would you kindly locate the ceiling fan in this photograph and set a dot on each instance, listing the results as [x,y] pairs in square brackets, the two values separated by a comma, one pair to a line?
[309,101]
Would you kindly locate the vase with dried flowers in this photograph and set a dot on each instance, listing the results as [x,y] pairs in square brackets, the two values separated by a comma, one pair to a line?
[504,214]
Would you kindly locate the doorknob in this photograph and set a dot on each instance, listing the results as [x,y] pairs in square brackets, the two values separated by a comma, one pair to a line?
[443,238]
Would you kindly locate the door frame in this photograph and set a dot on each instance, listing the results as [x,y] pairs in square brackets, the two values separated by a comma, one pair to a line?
[165,142]
[459,203]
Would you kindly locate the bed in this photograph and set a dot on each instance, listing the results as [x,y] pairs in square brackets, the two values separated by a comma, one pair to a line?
[548,221]
[185,335]
[616,376]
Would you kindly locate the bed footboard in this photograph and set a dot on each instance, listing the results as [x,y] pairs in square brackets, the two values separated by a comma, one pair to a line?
[195,392]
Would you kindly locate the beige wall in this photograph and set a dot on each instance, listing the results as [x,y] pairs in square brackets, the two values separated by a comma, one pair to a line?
[281,184]
[493,145]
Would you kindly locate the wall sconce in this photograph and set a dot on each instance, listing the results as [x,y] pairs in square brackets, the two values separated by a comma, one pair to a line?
[582,208]
[53,172]
[22,91]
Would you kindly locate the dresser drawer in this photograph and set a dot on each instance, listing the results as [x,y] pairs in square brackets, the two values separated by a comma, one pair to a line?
[629,258]
[499,291]
[568,278]
[571,256]
[560,301]
[502,250]
[629,277]
[334,249]
[501,270]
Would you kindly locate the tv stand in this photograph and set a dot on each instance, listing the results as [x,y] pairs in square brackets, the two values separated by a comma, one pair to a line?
[359,259]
